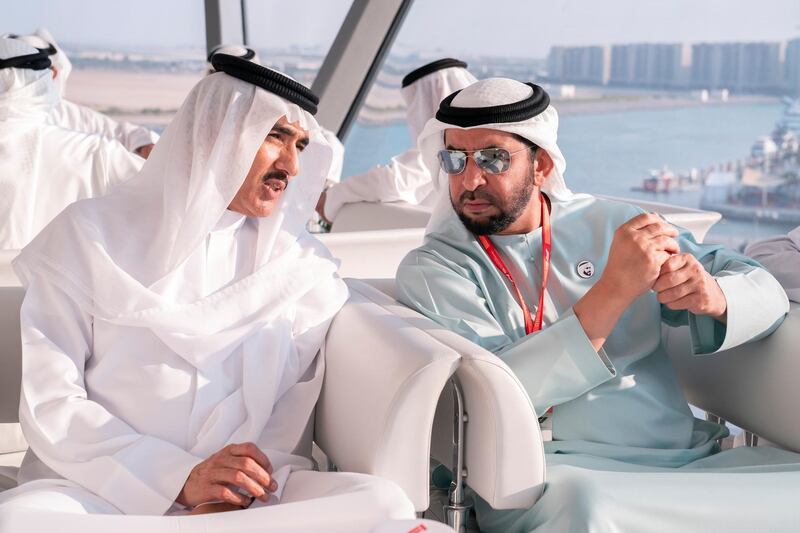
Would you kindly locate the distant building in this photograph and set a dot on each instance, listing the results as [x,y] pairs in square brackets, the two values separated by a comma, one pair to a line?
[650,65]
[739,67]
[755,67]
[791,68]
[589,65]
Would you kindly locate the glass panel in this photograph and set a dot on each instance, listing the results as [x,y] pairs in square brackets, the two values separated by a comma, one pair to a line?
[673,102]
[132,60]
[294,37]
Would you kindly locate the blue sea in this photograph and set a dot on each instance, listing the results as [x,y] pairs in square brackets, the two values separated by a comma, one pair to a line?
[609,153]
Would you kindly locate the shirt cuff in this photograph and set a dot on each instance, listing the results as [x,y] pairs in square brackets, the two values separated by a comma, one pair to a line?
[335,198]
[146,477]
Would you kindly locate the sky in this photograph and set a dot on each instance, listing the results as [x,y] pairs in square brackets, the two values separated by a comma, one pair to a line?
[516,28]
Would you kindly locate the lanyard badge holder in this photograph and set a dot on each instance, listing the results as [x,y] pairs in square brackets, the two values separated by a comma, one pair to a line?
[532,325]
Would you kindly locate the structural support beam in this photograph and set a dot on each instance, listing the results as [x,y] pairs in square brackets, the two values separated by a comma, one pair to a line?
[354,59]
[224,22]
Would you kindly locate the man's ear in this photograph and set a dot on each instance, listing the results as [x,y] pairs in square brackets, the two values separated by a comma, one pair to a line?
[55,72]
[542,166]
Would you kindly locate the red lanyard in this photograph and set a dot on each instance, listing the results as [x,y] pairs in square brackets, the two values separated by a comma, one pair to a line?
[531,325]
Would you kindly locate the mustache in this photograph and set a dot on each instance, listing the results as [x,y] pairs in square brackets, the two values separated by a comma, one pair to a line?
[476,195]
[276,175]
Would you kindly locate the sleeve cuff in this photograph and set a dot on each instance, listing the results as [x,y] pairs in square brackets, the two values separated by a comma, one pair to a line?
[146,477]
[559,363]
[334,200]
[755,305]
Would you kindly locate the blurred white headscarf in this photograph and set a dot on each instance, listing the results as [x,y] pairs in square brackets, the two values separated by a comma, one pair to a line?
[43,39]
[24,92]
[423,95]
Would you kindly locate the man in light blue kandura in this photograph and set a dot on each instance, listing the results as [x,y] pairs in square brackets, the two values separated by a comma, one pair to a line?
[626,454]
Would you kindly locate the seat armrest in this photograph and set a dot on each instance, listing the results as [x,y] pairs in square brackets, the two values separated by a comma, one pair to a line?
[383,379]
[504,453]
[754,386]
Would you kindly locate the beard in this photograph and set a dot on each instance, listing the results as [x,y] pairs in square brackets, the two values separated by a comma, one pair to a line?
[510,209]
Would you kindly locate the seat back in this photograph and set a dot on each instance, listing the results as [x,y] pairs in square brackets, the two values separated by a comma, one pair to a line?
[11,438]
[371,254]
[504,454]
[370,216]
[754,386]
[10,352]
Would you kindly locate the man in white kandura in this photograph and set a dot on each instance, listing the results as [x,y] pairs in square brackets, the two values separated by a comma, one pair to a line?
[72,116]
[781,256]
[44,168]
[405,178]
[571,292]
[171,329]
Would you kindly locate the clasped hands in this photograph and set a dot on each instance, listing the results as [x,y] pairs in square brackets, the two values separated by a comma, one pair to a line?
[644,255]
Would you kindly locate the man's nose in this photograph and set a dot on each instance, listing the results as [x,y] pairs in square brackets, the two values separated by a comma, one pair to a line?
[473,176]
[289,160]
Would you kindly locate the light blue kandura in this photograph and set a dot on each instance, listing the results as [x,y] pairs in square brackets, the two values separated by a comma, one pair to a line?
[627,454]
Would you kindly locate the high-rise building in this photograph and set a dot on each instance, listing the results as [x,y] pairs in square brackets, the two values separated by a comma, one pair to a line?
[650,65]
[757,67]
[740,67]
[791,68]
[579,64]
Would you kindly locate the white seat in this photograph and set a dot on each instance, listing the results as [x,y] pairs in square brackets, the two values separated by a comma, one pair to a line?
[371,254]
[370,216]
[501,420]
[754,386]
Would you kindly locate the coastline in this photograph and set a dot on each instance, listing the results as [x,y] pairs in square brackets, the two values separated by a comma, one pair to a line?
[152,98]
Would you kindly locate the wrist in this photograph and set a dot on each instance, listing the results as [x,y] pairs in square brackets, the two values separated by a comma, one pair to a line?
[613,293]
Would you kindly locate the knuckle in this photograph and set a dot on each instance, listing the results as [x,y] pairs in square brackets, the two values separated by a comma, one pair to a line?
[239,477]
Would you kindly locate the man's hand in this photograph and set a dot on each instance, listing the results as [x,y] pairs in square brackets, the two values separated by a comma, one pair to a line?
[240,465]
[640,247]
[685,284]
[144,150]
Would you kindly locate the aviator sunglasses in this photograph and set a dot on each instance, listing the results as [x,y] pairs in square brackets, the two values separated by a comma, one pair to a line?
[491,160]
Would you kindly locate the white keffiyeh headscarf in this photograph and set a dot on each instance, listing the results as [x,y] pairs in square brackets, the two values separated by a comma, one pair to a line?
[541,129]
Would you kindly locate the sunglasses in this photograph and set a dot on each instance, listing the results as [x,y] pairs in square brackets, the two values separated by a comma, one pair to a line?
[491,160]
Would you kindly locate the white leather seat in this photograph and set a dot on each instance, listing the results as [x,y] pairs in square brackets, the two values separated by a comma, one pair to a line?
[504,454]
[754,386]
